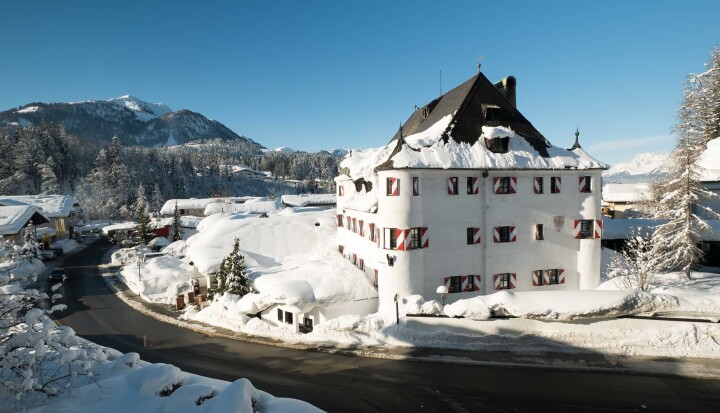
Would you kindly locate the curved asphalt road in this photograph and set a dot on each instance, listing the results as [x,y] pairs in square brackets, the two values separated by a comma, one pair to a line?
[339,383]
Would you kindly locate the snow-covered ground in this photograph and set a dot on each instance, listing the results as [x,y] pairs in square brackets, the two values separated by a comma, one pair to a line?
[159,280]
[124,383]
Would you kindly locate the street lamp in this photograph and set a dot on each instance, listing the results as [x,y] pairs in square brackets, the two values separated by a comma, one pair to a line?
[443,291]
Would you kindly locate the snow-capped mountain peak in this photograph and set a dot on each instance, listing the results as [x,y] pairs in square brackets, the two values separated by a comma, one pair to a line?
[284,149]
[140,107]
[642,168]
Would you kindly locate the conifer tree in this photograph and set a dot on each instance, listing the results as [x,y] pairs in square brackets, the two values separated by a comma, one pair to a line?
[49,182]
[176,228]
[236,280]
[142,215]
[157,200]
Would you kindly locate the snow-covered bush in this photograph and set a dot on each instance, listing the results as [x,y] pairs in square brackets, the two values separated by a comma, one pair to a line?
[37,358]
[638,264]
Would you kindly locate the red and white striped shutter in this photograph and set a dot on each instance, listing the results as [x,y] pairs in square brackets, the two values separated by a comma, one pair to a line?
[446,283]
[375,282]
[513,184]
[371,231]
[598,228]
[576,228]
[496,234]
[362,228]
[496,281]
[537,233]
[582,184]
[536,278]
[377,237]
[545,278]
[339,220]
[424,238]
[400,239]
[452,181]
[475,185]
[478,280]
[513,234]
[354,225]
[561,276]
[341,190]
[395,186]
[496,184]
[464,280]
[558,181]
[348,221]
[476,235]
[538,184]
[513,281]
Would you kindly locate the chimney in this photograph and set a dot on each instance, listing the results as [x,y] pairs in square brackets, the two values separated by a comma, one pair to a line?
[507,87]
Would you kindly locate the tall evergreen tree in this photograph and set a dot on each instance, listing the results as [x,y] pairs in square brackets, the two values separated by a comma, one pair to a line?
[49,182]
[232,277]
[176,228]
[142,215]
[157,200]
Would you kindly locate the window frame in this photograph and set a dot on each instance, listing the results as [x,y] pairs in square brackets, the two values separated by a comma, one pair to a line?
[390,238]
[504,185]
[414,238]
[587,188]
[541,187]
[539,232]
[453,185]
[555,184]
[587,229]
[455,280]
[288,318]
[416,185]
[280,315]
[470,236]
[553,274]
[504,283]
[504,234]
[389,186]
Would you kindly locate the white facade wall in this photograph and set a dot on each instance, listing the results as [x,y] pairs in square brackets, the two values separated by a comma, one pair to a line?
[447,217]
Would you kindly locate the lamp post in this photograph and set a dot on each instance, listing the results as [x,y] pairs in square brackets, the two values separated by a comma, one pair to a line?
[397,310]
[443,291]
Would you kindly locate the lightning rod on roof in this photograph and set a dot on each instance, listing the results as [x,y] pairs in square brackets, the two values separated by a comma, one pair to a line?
[479,62]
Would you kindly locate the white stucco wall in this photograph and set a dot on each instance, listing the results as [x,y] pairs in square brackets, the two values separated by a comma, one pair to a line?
[447,217]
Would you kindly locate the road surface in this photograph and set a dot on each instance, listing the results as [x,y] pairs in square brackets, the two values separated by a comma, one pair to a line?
[341,383]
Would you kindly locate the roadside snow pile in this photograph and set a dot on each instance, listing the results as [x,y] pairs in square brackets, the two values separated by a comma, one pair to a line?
[127,384]
[160,280]
[67,245]
[176,249]
[415,304]
[21,268]
[124,256]
[561,305]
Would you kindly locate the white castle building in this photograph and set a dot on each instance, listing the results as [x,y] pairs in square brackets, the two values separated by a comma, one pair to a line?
[469,195]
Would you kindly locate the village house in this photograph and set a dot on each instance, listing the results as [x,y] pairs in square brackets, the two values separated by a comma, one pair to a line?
[13,219]
[470,196]
[58,209]
[309,200]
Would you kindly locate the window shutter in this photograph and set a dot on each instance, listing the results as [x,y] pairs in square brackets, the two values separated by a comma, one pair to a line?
[576,228]
[561,276]
[453,185]
[361,229]
[464,283]
[545,278]
[496,234]
[341,190]
[496,185]
[476,235]
[496,281]
[558,182]
[339,220]
[354,225]
[424,240]
[474,186]
[538,189]
[377,236]
[394,184]
[476,284]
[582,183]
[371,230]
[513,234]
[513,184]
[536,278]
[513,281]
[446,283]
[416,185]
[598,228]
[539,232]
[400,239]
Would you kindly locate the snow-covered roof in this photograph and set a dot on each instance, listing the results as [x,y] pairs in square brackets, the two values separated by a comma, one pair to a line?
[192,203]
[235,169]
[51,206]
[292,260]
[309,200]
[623,228]
[124,226]
[625,192]
[710,162]
[14,218]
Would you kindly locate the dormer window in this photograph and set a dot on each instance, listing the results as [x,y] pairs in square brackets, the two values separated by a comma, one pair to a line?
[426,112]
[492,114]
[497,145]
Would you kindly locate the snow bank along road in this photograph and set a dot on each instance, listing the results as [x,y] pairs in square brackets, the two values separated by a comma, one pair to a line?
[341,383]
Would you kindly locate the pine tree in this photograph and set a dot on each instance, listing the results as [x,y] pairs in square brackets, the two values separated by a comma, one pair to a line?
[31,248]
[49,182]
[157,200]
[681,197]
[235,280]
[177,231]
[142,215]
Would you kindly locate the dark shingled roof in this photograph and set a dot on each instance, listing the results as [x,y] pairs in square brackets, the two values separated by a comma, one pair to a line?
[468,102]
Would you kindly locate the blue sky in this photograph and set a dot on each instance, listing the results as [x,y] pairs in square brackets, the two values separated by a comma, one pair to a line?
[320,75]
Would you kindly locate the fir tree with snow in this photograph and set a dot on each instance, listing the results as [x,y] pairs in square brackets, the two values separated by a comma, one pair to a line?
[176,228]
[49,184]
[157,200]
[680,197]
[31,247]
[234,272]
[142,215]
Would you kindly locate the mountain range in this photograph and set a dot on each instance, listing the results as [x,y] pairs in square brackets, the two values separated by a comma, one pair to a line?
[133,121]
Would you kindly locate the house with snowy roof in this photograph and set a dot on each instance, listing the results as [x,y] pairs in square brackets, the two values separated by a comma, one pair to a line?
[470,196]
[58,209]
[16,217]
